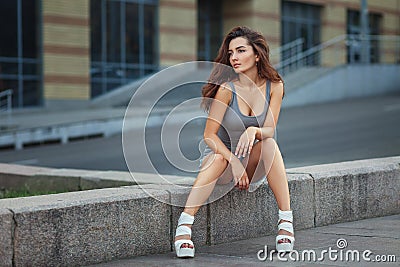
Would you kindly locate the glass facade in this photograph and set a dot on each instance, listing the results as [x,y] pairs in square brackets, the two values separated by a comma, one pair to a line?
[124,42]
[301,21]
[209,29]
[20,51]
[354,29]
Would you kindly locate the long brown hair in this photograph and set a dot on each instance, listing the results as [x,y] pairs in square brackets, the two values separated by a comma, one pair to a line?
[223,71]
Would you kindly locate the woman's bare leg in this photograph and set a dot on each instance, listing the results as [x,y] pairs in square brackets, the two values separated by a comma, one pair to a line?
[204,185]
[267,152]
[277,179]
[205,182]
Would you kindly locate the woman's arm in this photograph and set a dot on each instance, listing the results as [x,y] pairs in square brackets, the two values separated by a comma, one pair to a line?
[268,129]
[216,114]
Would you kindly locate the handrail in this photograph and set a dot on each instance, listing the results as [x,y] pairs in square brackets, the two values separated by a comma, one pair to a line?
[311,51]
[376,37]
[346,38]
[7,94]
[287,46]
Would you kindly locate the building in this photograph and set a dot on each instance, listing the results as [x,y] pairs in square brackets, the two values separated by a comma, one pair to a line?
[54,51]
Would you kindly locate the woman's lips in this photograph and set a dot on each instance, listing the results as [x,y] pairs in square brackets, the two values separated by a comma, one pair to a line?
[236,65]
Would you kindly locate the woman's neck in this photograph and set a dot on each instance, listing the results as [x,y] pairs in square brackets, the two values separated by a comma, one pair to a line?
[250,79]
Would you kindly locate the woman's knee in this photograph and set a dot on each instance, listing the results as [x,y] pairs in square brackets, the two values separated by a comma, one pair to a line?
[269,140]
[215,160]
[268,145]
[219,159]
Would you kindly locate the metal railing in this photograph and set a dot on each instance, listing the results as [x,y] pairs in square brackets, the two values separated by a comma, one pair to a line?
[344,49]
[294,46]
[6,104]
[307,57]
[288,49]
[6,101]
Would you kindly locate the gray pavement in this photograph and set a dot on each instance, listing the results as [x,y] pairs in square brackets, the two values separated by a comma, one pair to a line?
[42,117]
[333,132]
[377,239]
[34,118]
[41,125]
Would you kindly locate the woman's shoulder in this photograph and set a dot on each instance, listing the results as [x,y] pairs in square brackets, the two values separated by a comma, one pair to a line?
[224,93]
[277,88]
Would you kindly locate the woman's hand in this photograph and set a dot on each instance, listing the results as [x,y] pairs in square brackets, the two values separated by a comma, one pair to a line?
[239,174]
[246,142]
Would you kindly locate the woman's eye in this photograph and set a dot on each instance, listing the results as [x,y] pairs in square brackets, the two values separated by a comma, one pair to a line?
[241,50]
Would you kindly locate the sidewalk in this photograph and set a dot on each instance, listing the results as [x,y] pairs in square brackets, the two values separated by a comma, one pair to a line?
[379,235]
[41,117]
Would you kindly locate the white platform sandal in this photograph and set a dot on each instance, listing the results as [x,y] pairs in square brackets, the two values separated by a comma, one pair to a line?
[186,252]
[287,226]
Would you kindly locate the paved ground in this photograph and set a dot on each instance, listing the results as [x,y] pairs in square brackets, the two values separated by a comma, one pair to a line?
[380,236]
[318,134]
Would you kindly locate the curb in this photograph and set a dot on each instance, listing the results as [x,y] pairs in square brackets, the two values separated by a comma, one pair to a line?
[81,228]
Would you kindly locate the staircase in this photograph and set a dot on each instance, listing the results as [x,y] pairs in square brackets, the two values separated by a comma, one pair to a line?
[298,69]
[303,76]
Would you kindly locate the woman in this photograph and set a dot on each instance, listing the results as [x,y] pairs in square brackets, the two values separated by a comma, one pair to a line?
[241,155]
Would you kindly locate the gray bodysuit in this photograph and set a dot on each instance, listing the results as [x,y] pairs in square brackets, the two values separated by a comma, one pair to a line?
[235,123]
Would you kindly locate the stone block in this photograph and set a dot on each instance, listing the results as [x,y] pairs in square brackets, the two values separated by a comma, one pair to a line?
[200,225]
[383,189]
[177,201]
[81,228]
[355,190]
[356,196]
[241,214]
[6,237]
[302,202]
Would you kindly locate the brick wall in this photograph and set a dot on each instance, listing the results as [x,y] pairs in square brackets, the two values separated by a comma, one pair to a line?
[66,49]
[178,31]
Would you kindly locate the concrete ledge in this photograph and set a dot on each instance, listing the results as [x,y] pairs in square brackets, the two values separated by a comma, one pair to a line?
[234,210]
[93,226]
[355,190]
[6,235]
[82,228]
[178,197]
[29,178]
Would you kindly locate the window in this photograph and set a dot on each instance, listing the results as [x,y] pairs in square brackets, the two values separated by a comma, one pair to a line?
[20,57]
[209,29]
[354,29]
[301,21]
[124,44]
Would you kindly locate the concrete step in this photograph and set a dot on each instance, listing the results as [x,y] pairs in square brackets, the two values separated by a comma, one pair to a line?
[94,226]
[320,85]
[303,76]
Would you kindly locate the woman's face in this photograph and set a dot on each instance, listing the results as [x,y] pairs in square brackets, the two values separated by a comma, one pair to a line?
[241,55]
